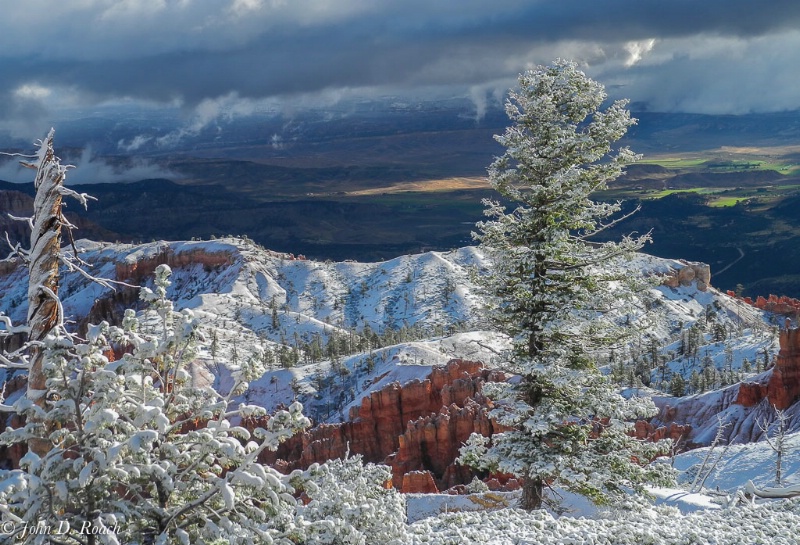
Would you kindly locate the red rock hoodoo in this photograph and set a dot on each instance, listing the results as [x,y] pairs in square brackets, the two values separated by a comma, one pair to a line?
[786,306]
[783,388]
[418,426]
[419,482]
[692,271]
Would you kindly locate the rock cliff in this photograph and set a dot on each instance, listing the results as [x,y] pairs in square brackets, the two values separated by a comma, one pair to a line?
[783,388]
[787,306]
[415,427]
[140,269]
[137,270]
[781,385]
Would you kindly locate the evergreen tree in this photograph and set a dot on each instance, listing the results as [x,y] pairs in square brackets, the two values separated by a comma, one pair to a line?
[550,284]
[695,382]
[275,320]
[677,386]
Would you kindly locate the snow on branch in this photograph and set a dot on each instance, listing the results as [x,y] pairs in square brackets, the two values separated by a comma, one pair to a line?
[17,359]
[82,198]
[11,329]
[68,261]
[777,492]
[28,220]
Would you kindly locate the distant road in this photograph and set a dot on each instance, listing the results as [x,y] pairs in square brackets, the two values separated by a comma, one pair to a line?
[732,263]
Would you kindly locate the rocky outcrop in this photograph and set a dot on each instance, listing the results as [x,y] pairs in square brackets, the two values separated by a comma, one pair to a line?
[751,394]
[502,483]
[111,307]
[783,388]
[418,426]
[433,442]
[136,271]
[419,482]
[779,387]
[648,431]
[786,306]
[692,271]
[691,414]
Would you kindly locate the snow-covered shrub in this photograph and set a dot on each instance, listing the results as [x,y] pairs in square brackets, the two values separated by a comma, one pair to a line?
[140,453]
[350,503]
[477,486]
[775,523]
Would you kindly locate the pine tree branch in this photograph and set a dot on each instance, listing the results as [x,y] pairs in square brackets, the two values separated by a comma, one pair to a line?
[602,227]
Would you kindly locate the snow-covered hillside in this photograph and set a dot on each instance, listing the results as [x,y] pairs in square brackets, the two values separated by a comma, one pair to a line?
[329,333]
[338,329]
[430,289]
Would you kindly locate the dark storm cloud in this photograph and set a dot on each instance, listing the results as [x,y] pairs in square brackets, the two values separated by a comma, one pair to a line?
[185,51]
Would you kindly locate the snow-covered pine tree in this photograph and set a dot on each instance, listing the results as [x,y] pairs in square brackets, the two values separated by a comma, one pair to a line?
[550,284]
[139,453]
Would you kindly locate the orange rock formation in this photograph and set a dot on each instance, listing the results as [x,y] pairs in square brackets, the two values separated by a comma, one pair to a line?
[418,426]
[691,272]
[782,388]
[137,271]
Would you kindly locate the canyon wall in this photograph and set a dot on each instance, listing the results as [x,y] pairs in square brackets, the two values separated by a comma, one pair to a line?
[415,427]
[137,272]
[140,270]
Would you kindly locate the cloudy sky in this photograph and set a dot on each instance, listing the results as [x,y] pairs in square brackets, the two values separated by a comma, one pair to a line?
[232,57]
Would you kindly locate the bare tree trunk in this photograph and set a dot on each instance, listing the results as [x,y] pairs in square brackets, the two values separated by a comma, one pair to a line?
[43,304]
[532,494]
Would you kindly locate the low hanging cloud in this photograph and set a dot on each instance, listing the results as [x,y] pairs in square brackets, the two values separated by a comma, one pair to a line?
[88,169]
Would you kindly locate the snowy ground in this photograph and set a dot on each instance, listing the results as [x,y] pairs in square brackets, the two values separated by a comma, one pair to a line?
[740,463]
[775,523]
[676,517]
